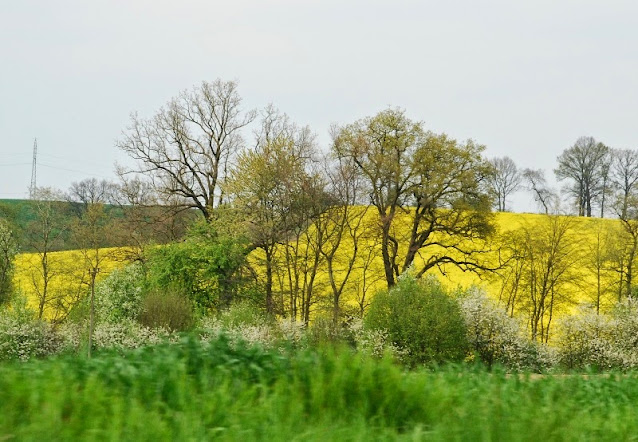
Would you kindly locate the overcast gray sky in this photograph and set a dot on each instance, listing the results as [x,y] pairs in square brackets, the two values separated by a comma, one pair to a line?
[525,78]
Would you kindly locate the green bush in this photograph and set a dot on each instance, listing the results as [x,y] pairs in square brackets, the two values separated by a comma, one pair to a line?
[205,267]
[421,319]
[119,295]
[167,309]
[8,250]
[243,313]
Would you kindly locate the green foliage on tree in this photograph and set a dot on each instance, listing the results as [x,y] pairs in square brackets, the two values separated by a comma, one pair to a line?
[441,179]
[422,319]
[205,267]
[8,250]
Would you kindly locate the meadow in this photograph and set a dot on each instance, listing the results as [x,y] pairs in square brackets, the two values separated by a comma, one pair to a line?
[204,391]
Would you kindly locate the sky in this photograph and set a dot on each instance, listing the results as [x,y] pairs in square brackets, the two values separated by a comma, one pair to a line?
[524,78]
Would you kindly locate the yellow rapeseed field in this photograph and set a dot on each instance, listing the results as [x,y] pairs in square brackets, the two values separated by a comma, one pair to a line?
[584,240]
[68,278]
[579,244]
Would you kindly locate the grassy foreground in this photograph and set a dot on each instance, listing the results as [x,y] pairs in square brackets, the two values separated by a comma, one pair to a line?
[190,391]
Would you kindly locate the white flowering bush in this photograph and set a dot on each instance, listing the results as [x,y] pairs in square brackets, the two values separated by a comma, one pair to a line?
[119,295]
[603,341]
[125,334]
[268,334]
[22,337]
[373,342]
[495,337]
[128,334]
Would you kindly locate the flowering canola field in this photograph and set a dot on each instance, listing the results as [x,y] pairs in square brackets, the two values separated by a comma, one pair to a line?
[584,240]
[68,278]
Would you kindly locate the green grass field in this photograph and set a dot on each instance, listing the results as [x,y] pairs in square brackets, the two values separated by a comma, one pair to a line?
[188,391]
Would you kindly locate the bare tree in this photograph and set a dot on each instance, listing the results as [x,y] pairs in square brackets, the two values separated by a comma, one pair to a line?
[145,218]
[45,235]
[91,191]
[542,269]
[585,164]
[88,233]
[503,180]
[599,259]
[343,227]
[629,246]
[625,176]
[537,184]
[186,147]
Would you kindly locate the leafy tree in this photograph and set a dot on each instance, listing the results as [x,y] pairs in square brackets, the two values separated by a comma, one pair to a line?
[187,147]
[422,319]
[206,266]
[538,280]
[503,180]
[442,179]
[279,195]
[45,234]
[8,250]
[586,166]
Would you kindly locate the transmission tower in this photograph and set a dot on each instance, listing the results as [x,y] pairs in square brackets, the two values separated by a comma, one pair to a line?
[33,169]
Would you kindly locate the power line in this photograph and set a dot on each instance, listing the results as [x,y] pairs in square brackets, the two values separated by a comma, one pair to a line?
[74,170]
[14,164]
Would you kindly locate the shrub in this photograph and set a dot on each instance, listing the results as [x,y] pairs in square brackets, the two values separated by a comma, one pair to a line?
[170,310]
[119,295]
[205,267]
[242,313]
[421,319]
[600,341]
[495,337]
[125,334]
[324,330]
[23,337]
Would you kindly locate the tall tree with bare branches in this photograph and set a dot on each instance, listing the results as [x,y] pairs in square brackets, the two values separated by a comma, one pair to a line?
[503,180]
[537,184]
[583,165]
[186,148]
[624,176]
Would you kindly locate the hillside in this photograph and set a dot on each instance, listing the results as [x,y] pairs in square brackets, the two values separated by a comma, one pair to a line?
[581,259]
[544,265]
[153,224]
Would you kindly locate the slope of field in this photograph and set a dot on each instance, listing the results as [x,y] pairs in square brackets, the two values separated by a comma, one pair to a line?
[584,250]
[68,280]
[588,248]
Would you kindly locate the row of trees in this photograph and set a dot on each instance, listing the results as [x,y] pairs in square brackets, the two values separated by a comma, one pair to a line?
[389,196]
[595,176]
[427,197]
[89,217]
[428,191]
